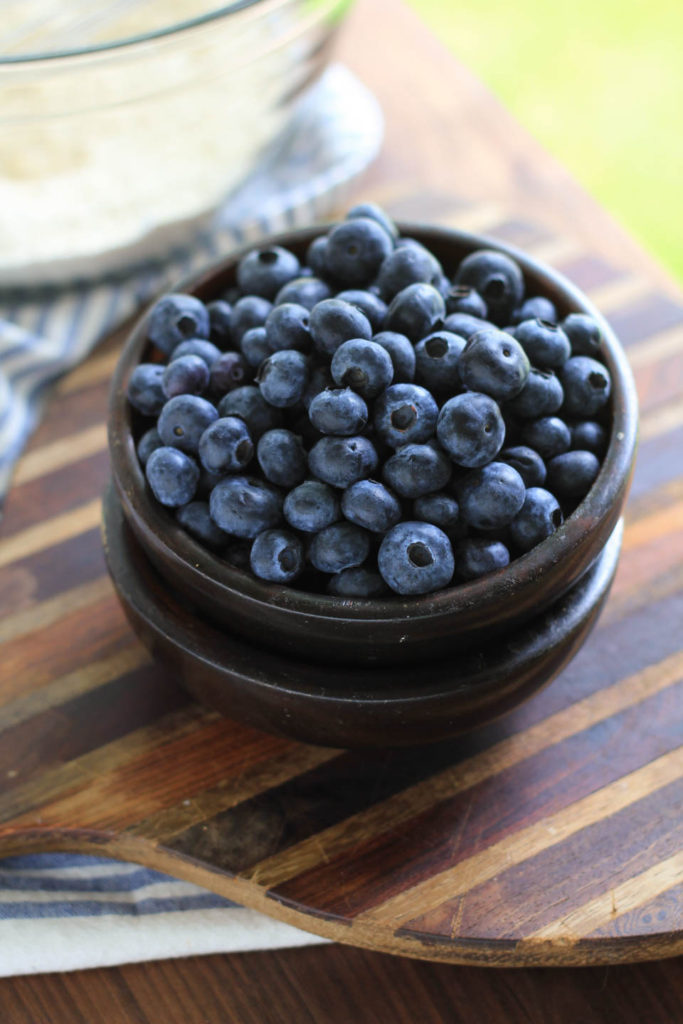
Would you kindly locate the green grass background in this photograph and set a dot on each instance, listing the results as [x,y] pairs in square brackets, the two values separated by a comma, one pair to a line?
[600,84]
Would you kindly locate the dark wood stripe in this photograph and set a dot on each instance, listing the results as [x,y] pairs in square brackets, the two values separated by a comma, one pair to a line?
[55,493]
[478,817]
[659,382]
[520,232]
[646,316]
[589,271]
[91,720]
[85,635]
[67,416]
[584,866]
[659,462]
[43,576]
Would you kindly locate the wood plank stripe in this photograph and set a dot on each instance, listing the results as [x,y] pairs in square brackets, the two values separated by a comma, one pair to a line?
[415,800]
[608,297]
[73,684]
[528,842]
[95,370]
[58,454]
[623,898]
[657,525]
[655,348]
[43,614]
[661,421]
[50,532]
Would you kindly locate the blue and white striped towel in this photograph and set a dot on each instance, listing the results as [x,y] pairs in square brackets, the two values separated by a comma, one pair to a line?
[335,132]
[64,912]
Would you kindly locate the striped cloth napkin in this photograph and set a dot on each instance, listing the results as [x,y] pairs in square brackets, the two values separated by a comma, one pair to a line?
[65,912]
[335,131]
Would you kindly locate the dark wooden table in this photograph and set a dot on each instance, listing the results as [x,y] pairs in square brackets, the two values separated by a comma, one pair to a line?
[452,155]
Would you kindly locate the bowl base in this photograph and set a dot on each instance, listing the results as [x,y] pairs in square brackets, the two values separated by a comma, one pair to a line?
[341,706]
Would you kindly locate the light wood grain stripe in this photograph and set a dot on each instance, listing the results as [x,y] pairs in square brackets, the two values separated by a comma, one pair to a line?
[661,420]
[380,818]
[95,370]
[612,296]
[482,217]
[44,613]
[555,251]
[73,684]
[527,842]
[50,532]
[657,347]
[58,454]
[629,895]
[659,524]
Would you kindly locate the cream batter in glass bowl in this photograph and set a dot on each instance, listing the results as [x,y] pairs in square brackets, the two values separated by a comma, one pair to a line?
[124,123]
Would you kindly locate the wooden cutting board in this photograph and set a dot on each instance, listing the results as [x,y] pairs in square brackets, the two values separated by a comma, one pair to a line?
[551,837]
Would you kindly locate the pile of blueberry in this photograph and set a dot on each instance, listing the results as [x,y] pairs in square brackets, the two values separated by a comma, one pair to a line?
[363,421]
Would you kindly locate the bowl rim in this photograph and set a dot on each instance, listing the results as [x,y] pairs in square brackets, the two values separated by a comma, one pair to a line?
[128,42]
[188,554]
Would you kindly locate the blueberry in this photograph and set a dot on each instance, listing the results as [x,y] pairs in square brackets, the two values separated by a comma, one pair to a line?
[548,435]
[206,350]
[542,395]
[319,380]
[546,344]
[264,271]
[188,375]
[250,311]
[356,249]
[405,266]
[172,475]
[175,318]
[277,556]
[194,517]
[471,429]
[148,443]
[572,474]
[416,311]
[282,457]
[145,388]
[225,446]
[316,256]
[283,378]
[183,420]
[491,497]
[369,304]
[498,280]
[539,516]
[440,509]
[589,436]
[478,556]
[338,547]
[437,361]
[442,285]
[340,411]
[494,364]
[416,558]
[370,504]
[362,365]
[460,298]
[245,506]
[341,461]
[230,371]
[333,322]
[417,469]
[464,324]
[303,291]
[536,308]
[527,462]
[405,414]
[376,213]
[585,335]
[401,353]
[249,404]
[288,326]
[311,506]
[587,386]
[220,322]
[356,582]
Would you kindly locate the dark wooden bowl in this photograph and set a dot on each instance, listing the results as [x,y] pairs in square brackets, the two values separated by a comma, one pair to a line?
[337,706]
[335,630]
